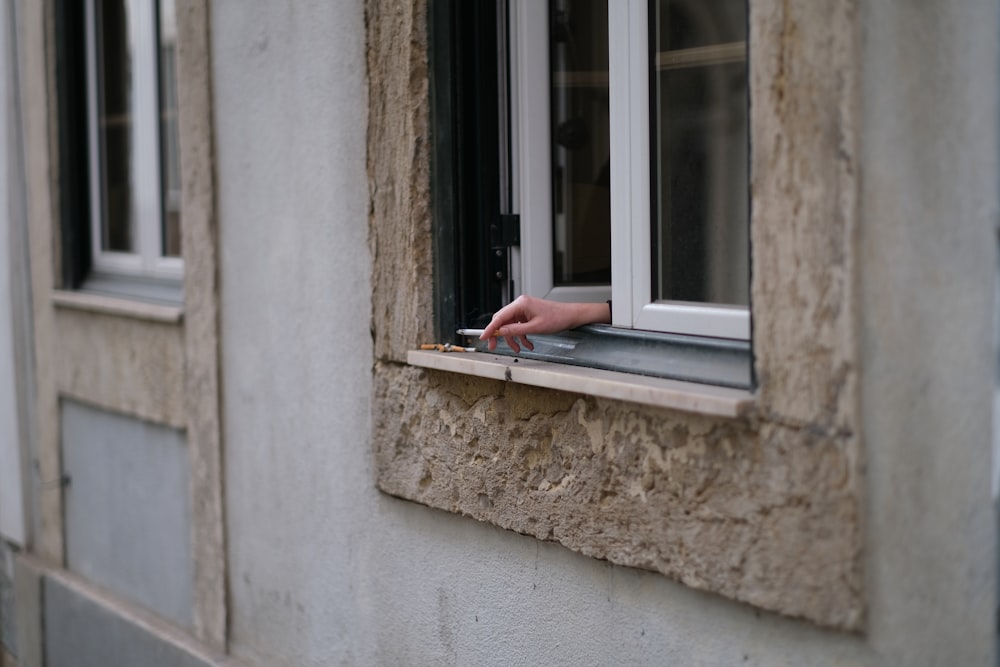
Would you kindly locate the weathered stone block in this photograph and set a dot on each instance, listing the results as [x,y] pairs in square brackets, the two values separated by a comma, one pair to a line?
[764,509]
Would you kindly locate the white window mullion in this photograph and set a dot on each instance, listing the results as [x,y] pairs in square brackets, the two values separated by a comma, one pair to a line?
[530,20]
[621,33]
[639,140]
[93,144]
[146,146]
[93,135]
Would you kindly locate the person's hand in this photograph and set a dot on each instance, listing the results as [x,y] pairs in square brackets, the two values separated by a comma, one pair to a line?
[530,315]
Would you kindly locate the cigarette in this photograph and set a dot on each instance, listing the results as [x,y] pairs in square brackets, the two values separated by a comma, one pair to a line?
[475,332]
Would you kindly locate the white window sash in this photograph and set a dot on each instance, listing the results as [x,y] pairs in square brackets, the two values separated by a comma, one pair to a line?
[532,160]
[532,136]
[147,214]
[631,256]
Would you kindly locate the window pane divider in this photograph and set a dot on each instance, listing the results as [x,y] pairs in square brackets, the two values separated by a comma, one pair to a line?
[147,183]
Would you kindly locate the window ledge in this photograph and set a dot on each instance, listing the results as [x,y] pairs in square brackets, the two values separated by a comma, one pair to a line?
[659,392]
[113,305]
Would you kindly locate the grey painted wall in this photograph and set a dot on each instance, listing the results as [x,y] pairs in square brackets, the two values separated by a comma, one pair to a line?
[128,525]
[928,258]
[325,570]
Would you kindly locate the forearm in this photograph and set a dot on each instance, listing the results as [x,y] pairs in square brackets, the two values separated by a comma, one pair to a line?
[590,313]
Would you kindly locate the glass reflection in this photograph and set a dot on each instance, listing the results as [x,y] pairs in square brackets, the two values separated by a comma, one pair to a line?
[581,195]
[700,227]
[115,124]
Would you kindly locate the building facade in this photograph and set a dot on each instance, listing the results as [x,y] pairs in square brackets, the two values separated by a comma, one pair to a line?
[221,444]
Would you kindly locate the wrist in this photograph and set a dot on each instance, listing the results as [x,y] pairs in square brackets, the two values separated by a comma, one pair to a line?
[593,313]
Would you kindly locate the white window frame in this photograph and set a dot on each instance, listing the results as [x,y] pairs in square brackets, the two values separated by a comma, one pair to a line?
[532,159]
[631,288]
[146,178]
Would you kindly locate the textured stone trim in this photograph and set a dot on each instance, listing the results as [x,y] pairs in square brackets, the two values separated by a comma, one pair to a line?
[110,305]
[202,383]
[122,364]
[658,392]
[765,509]
[399,176]
[38,119]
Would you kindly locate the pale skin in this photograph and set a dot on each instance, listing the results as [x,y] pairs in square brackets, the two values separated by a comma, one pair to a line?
[527,315]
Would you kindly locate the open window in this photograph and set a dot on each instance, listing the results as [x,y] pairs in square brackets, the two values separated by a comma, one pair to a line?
[617,169]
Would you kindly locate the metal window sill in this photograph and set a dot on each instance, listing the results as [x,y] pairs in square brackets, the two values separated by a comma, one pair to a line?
[659,392]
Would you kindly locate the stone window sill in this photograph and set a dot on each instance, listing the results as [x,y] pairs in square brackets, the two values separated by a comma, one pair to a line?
[114,305]
[674,394]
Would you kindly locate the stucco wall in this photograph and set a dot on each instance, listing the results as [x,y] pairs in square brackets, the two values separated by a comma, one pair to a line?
[928,255]
[325,570]
[289,91]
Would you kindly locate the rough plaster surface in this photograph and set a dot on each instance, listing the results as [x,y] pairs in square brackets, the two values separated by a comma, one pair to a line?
[201,320]
[766,511]
[753,511]
[38,124]
[399,176]
[804,70]
[125,365]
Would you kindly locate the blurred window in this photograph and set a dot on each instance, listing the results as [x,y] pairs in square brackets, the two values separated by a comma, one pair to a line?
[133,138]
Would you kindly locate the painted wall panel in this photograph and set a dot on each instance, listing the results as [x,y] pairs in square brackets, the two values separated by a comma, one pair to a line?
[12,524]
[127,509]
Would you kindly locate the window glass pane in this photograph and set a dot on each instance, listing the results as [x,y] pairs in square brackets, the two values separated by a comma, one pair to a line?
[700,194]
[581,196]
[114,53]
[169,143]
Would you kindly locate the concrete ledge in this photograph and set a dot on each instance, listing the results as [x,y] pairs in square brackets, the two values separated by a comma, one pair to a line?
[674,394]
[110,305]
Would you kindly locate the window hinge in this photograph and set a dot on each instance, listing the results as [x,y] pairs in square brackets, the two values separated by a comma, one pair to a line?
[505,233]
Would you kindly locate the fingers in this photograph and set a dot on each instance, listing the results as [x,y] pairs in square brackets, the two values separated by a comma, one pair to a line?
[500,320]
[511,323]
[514,341]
